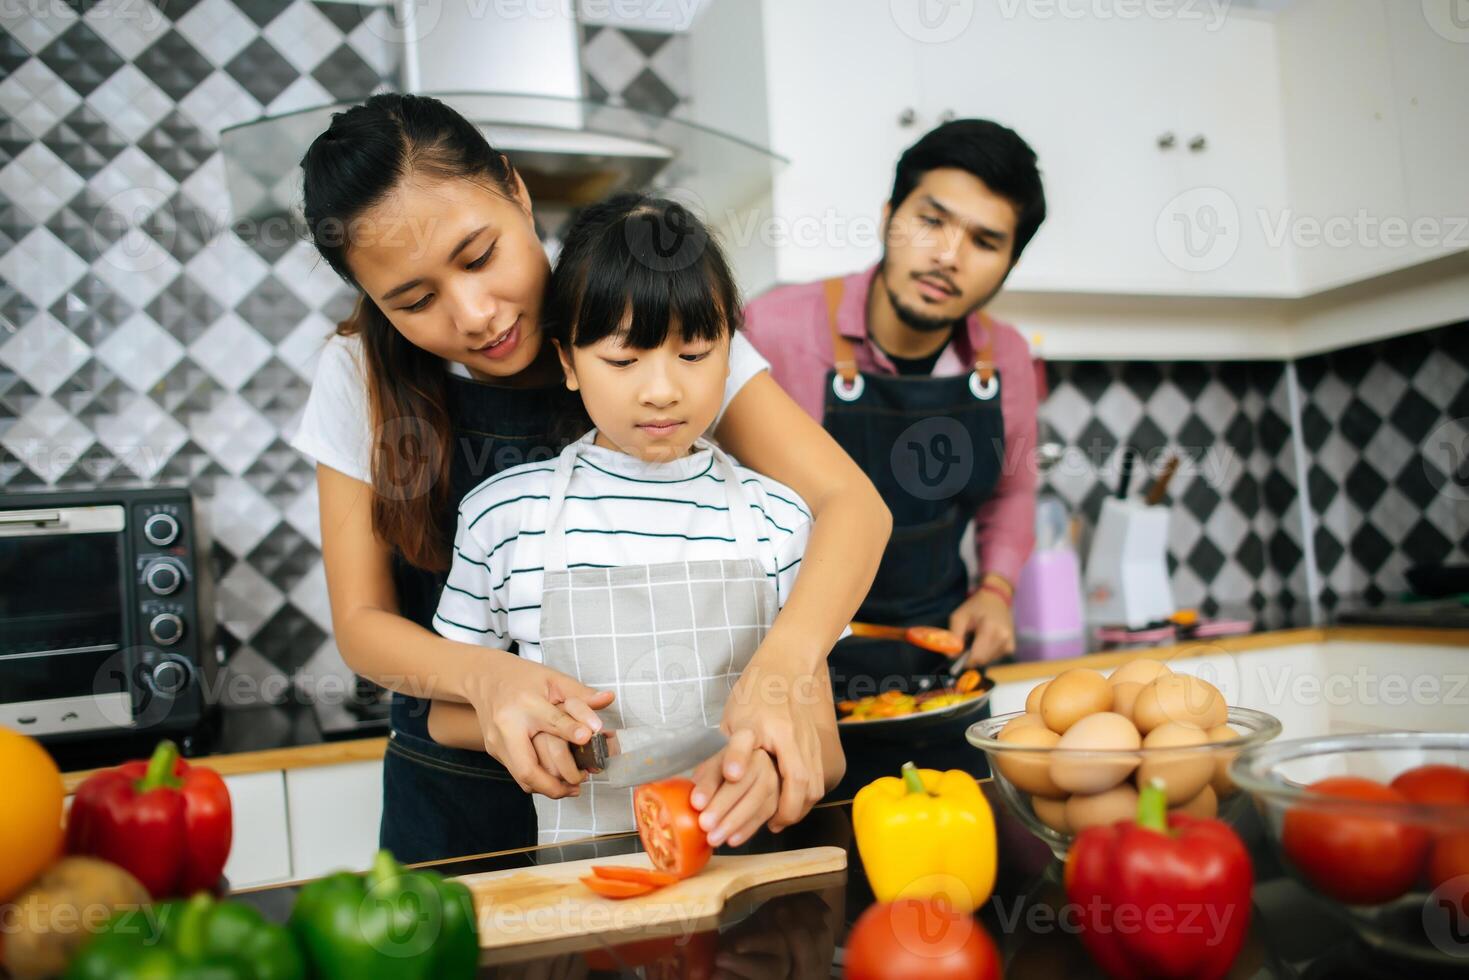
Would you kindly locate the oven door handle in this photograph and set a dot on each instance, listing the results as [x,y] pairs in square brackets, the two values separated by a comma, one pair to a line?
[39,518]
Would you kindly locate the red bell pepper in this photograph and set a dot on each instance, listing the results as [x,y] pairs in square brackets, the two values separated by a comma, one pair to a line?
[1167,896]
[166,822]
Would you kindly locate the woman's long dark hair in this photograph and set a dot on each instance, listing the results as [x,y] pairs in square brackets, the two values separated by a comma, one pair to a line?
[363,154]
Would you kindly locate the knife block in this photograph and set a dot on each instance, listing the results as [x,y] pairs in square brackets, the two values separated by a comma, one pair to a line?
[1127,571]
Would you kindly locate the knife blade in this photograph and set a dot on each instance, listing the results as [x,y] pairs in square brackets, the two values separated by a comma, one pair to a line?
[647,754]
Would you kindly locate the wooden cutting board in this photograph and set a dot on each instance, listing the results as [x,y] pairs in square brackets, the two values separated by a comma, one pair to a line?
[549,903]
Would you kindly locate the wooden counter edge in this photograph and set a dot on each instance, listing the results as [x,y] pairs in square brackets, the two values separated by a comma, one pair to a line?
[372,749]
[1234,644]
[271,760]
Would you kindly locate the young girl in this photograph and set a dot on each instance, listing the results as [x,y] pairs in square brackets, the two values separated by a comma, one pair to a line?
[642,561]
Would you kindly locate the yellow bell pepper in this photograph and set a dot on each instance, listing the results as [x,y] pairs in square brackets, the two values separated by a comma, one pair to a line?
[927,834]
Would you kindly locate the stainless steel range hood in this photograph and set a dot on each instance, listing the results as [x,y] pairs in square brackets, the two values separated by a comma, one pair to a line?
[514,69]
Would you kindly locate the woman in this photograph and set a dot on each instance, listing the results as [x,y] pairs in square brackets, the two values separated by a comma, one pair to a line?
[439,381]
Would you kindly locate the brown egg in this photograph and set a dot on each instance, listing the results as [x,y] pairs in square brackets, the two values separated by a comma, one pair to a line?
[1073,695]
[1029,771]
[1180,698]
[1124,697]
[1143,670]
[1021,721]
[1223,785]
[1052,813]
[1102,809]
[1033,699]
[1095,773]
[1205,806]
[1182,772]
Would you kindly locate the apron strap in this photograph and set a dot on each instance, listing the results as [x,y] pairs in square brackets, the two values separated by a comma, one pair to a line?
[554,553]
[844,356]
[741,514]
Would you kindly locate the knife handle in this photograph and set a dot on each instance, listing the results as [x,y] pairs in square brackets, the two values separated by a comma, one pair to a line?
[591,757]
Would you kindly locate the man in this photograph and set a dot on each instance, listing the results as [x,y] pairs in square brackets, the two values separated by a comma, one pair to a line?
[934,399]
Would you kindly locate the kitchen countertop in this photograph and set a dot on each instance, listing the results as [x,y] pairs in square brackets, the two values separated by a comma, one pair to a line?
[800,934]
[286,736]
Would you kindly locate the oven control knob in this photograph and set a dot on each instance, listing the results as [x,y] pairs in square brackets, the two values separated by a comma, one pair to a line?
[161,530]
[166,629]
[163,577]
[169,677]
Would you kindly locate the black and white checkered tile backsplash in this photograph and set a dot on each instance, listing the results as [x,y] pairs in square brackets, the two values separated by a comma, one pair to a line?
[143,340]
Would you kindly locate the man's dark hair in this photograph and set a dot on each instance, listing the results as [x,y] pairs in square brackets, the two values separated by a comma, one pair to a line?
[993,153]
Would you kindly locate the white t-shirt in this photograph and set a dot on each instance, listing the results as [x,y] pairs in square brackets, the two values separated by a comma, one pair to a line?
[620,511]
[336,426]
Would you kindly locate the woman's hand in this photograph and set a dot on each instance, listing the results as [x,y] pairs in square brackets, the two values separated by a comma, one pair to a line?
[986,620]
[733,808]
[522,700]
[779,709]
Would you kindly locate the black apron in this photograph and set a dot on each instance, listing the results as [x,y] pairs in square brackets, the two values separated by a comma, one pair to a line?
[441,802]
[934,448]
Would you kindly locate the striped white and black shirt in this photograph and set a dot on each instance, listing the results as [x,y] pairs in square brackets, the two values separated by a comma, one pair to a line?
[619,511]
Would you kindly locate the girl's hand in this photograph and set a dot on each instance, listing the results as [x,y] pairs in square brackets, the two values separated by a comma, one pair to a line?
[733,809]
[523,699]
[553,754]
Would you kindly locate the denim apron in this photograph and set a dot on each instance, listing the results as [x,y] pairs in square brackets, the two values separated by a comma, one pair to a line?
[934,447]
[441,802]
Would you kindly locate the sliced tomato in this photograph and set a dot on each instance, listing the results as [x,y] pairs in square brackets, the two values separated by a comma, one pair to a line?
[610,888]
[646,876]
[967,682]
[669,827]
[949,643]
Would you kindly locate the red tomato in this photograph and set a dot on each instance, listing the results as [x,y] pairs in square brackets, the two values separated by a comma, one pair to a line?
[1355,858]
[1448,870]
[642,876]
[1435,785]
[669,826]
[920,939]
[609,888]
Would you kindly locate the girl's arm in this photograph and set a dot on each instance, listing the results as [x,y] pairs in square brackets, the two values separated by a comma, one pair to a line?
[777,695]
[512,699]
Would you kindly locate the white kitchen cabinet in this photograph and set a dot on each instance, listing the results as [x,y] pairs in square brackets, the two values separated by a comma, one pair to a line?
[1309,116]
[260,851]
[335,812]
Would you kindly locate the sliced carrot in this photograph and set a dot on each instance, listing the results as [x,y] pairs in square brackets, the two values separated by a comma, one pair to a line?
[648,876]
[967,682]
[611,888]
[938,640]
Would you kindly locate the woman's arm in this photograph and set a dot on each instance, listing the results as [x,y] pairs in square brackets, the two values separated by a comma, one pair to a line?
[768,432]
[777,695]
[512,699]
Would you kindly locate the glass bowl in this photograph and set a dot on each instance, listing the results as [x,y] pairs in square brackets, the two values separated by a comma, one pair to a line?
[1009,762]
[1369,860]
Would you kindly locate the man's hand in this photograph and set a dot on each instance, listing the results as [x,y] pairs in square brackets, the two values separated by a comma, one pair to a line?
[779,709]
[986,622]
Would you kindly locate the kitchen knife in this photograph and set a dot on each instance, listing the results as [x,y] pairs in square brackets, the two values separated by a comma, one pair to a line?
[646,754]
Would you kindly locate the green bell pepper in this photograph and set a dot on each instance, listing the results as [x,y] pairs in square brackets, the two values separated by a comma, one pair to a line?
[197,939]
[389,924]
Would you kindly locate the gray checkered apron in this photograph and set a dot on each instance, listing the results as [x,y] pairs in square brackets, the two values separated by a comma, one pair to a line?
[669,639]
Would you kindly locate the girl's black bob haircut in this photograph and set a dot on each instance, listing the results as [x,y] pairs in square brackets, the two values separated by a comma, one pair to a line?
[641,257]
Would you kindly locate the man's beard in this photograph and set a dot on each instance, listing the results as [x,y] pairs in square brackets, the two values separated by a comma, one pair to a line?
[919,321]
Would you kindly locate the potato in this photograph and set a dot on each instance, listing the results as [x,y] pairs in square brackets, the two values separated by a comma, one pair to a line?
[56,916]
